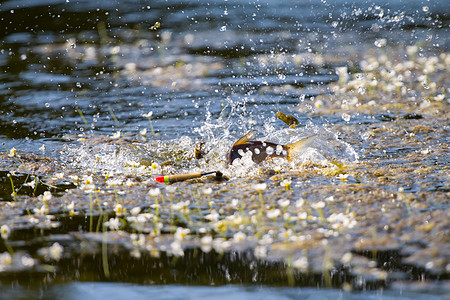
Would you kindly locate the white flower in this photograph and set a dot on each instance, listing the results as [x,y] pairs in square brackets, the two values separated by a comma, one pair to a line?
[273,213]
[154,192]
[302,215]
[138,240]
[300,263]
[55,251]
[71,206]
[206,243]
[234,203]
[283,203]
[27,261]
[299,203]
[346,258]
[213,216]
[318,205]
[88,180]
[206,240]
[47,196]
[207,191]
[143,132]
[220,245]
[182,205]
[59,175]
[150,113]
[171,189]
[12,152]
[330,199]
[425,152]
[135,210]
[175,249]
[88,183]
[113,182]
[40,211]
[5,231]
[5,260]
[31,184]
[285,234]
[236,219]
[75,178]
[135,253]
[129,183]
[120,210]
[181,233]
[260,251]
[260,187]
[113,223]
[343,177]
[116,135]
[266,239]
[286,183]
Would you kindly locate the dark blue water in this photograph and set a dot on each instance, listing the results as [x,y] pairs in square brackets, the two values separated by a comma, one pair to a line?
[73,57]
[96,290]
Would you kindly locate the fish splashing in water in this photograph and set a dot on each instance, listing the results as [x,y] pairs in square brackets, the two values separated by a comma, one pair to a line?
[262,150]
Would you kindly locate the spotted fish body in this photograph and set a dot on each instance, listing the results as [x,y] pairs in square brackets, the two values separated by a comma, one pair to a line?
[262,150]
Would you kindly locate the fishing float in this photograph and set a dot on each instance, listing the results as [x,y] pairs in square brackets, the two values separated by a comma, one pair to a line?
[183,177]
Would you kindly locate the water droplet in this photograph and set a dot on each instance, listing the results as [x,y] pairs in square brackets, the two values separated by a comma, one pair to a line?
[78,84]
[47,104]
[223,28]
[279,149]
[380,43]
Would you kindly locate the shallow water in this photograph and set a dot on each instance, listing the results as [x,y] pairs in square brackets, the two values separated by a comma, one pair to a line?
[98,290]
[364,208]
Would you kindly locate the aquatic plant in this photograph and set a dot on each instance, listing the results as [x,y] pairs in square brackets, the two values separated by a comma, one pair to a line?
[149,117]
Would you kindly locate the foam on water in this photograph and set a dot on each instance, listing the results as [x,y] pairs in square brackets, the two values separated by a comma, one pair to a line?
[217,135]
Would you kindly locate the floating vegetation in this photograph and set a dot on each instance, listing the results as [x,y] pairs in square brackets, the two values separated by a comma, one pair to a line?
[355,210]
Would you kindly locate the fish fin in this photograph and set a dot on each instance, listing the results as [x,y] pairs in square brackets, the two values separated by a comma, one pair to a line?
[247,137]
[299,146]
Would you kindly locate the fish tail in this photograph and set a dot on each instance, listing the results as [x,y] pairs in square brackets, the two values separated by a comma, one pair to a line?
[298,147]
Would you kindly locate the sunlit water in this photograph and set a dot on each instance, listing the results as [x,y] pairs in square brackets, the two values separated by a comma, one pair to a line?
[96,290]
[104,90]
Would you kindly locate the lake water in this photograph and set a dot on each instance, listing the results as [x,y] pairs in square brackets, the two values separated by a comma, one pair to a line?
[98,97]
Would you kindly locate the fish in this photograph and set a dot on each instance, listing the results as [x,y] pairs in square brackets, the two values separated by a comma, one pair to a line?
[289,120]
[263,150]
